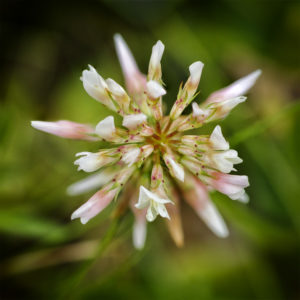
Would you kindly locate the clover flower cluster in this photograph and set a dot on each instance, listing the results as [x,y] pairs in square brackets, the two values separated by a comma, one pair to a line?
[151,150]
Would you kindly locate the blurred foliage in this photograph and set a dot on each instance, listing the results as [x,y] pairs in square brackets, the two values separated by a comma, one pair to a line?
[44,48]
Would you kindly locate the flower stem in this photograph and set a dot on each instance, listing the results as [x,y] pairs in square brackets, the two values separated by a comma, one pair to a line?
[79,276]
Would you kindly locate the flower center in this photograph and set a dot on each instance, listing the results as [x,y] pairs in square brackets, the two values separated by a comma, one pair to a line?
[162,139]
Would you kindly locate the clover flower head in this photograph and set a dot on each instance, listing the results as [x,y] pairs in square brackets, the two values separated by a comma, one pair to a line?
[151,150]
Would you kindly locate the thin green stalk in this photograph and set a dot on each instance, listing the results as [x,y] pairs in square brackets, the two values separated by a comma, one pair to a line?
[79,276]
[116,273]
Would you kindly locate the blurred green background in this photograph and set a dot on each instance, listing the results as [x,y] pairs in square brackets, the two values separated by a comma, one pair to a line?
[45,46]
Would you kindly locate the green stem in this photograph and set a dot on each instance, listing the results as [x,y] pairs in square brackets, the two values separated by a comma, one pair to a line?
[72,285]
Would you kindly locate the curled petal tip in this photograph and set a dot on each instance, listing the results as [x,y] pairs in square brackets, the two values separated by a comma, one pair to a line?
[155,90]
[75,215]
[217,139]
[84,220]
[157,52]
[244,198]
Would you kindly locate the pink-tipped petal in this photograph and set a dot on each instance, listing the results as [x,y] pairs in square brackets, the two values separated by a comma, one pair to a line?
[94,205]
[199,199]
[231,185]
[65,129]
[135,80]
[237,88]
[241,180]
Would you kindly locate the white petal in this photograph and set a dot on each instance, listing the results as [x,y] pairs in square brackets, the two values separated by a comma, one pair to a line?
[217,140]
[199,199]
[144,200]
[176,168]
[232,155]
[82,153]
[89,163]
[151,214]
[106,128]
[139,233]
[50,127]
[93,83]
[244,198]
[131,156]
[157,52]
[90,183]
[225,160]
[162,211]
[195,71]
[93,78]
[132,121]
[221,163]
[155,203]
[154,89]
[237,194]
[145,197]
[212,218]
[197,111]
[115,88]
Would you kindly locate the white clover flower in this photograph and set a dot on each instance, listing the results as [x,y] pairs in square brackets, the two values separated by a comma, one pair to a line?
[150,142]
[155,204]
